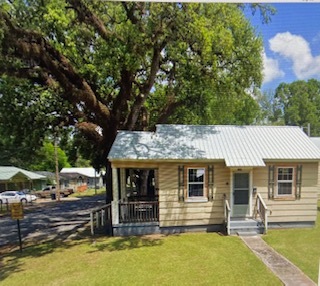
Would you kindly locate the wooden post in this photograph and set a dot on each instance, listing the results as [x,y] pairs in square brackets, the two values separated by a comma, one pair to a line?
[123,193]
[92,223]
[98,219]
[103,217]
[115,192]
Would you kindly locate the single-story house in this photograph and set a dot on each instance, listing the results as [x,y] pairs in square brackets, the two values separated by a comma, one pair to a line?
[316,141]
[50,179]
[212,178]
[13,178]
[81,178]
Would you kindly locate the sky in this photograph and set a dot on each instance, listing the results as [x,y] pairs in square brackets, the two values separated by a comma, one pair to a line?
[291,43]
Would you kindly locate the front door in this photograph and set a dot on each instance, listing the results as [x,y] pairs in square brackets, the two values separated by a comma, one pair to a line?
[241,192]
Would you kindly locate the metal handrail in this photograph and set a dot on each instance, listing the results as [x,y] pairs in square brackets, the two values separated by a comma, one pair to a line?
[227,215]
[262,210]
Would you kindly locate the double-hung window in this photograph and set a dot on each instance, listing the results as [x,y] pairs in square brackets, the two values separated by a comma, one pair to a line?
[196,182]
[285,176]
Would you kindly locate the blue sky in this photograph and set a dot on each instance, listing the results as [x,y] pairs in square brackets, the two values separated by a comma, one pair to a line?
[291,43]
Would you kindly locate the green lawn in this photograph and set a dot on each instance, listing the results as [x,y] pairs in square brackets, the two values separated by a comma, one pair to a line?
[300,246]
[187,259]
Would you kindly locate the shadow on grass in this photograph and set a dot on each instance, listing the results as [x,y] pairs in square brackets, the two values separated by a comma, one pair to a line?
[12,259]
[126,243]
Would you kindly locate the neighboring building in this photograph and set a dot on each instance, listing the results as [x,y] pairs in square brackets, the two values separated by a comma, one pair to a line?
[13,178]
[208,177]
[316,141]
[81,178]
[50,179]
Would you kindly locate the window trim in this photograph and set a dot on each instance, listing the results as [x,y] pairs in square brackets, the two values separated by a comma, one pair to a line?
[293,181]
[204,197]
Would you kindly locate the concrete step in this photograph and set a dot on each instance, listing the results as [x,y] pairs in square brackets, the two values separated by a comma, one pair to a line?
[248,233]
[246,226]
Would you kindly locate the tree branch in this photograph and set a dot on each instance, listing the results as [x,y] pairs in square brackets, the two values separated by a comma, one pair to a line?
[91,131]
[168,110]
[30,45]
[85,15]
[145,89]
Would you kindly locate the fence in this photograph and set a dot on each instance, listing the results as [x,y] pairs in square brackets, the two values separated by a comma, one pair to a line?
[101,220]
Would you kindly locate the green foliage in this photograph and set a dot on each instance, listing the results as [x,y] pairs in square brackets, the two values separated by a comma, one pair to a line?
[299,104]
[28,113]
[269,112]
[45,158]
[109,65]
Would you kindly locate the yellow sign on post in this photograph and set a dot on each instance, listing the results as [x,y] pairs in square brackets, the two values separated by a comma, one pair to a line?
[16,211]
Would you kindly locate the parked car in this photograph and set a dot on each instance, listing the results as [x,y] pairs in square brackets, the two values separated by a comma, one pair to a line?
[29,194]
[15,197]
[51,190]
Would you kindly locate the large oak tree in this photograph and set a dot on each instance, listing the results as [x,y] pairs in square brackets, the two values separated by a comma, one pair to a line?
[103,66]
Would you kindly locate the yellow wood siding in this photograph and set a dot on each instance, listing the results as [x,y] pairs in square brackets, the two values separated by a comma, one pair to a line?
[175,213]
[291,210]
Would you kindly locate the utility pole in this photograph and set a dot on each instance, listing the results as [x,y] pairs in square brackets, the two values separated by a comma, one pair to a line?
[57,166]
[95,181]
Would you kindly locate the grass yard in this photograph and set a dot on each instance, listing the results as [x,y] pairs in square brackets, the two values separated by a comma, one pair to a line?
[300,246]
[187,259]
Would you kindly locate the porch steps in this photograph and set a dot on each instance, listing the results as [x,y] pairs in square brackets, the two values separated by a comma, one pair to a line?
[246,227]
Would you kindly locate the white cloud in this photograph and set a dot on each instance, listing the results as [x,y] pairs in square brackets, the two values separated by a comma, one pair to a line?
[271,69]
[296,49]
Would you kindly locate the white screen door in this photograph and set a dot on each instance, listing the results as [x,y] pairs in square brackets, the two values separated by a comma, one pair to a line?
[241,194]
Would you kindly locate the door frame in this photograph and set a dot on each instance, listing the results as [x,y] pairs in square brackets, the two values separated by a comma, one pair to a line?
[247,171]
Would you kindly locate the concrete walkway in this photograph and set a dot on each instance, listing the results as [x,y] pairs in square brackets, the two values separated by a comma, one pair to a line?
[287,272]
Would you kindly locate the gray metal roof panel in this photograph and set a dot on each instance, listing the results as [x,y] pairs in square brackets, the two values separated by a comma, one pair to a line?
[85,171]
[237,145]
[7,172]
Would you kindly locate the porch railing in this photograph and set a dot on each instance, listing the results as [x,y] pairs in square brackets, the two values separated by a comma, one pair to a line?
[227,215]
[101,220]
[139,212]
[262,210]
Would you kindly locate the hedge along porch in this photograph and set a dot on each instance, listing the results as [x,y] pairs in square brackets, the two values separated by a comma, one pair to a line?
[214,177]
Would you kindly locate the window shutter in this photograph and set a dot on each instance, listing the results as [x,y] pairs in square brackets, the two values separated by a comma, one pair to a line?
[210,182]
[298,182]
[181,183]
[271,182]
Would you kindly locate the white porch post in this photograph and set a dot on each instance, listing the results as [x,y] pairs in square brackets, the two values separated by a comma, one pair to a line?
[115,193]
[123,184]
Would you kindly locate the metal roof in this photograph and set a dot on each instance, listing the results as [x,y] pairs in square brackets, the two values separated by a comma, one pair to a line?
[316,141]
[8,172]
[87,171]
[238,146]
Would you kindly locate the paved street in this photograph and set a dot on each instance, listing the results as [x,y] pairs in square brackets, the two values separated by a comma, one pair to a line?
[47,219]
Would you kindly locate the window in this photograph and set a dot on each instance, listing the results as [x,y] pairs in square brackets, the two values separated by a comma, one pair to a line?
[196,182]
[285,181]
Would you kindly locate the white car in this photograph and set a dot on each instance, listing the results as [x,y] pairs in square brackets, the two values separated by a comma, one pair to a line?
[15,197]
[30,196]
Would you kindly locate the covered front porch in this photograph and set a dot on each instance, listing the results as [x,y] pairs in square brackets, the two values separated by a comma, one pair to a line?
[135,205]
